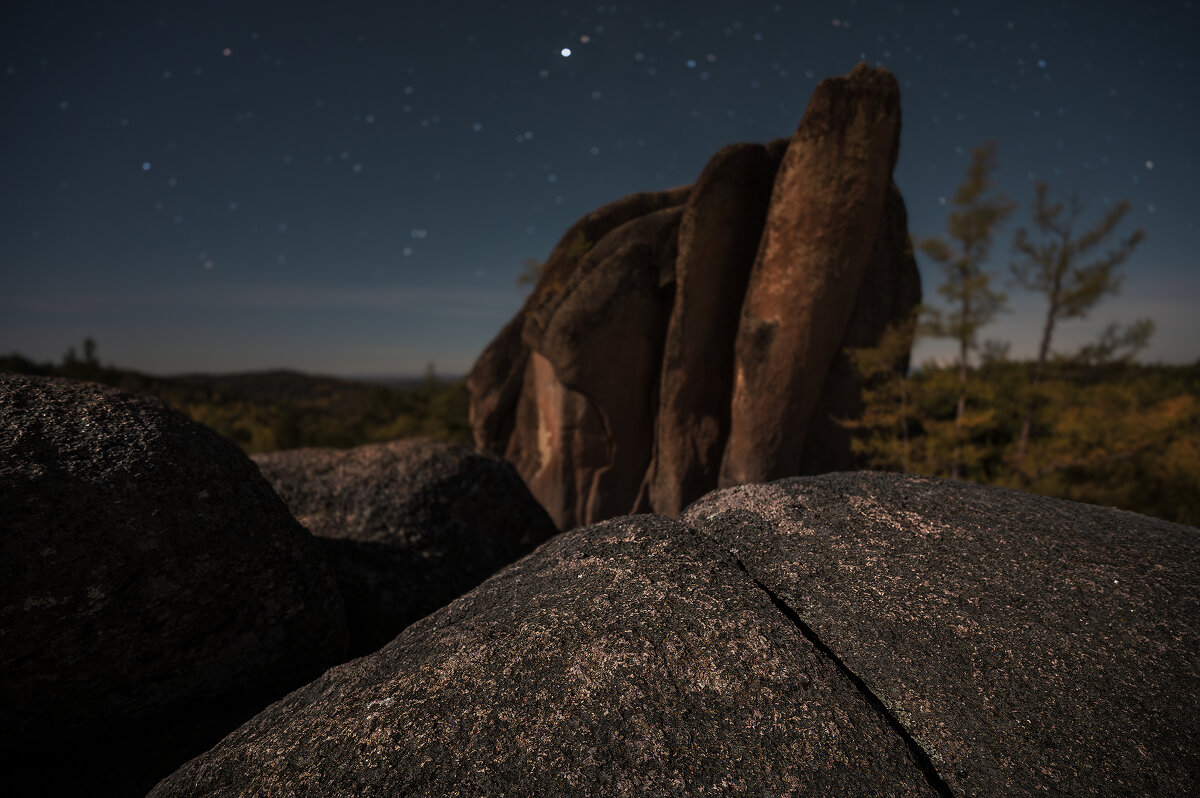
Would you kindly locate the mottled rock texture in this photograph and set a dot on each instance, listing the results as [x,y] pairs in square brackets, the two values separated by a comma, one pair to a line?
[1030,646]
[683,337]
[629,658]
[852,634]
[154,591]
[408,525]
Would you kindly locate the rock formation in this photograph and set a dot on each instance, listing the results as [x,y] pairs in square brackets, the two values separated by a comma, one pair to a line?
[718,239]
[154,591]
[851,634]
[408,525]
[816,248]
[683,337]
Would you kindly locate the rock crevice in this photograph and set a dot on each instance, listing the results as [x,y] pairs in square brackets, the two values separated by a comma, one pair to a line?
[936,782]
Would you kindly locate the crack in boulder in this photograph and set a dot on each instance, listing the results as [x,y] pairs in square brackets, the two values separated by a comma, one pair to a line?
[922,758]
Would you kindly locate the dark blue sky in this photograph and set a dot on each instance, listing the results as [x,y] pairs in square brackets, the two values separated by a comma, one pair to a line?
[352,188]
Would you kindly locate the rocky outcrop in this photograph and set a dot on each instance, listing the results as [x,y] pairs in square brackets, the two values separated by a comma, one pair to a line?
[718,239]
[851,634]
[1028,646]
[407,525]
[628,658]
[681,338]
[500,374]
[154,591]
[616,311]
[817,247]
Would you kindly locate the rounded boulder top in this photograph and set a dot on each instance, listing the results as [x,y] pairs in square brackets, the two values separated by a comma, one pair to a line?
[408,525]
[154,590]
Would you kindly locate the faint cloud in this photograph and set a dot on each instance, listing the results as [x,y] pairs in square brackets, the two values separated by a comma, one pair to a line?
[437,301]
[425,300]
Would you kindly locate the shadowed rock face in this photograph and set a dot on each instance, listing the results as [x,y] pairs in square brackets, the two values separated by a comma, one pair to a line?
[498,376]
[154,591]
[408,525]
[718,238]
[616,313]
[1030,646]
[889,292]
[616,388]
[580,439]
[852,634]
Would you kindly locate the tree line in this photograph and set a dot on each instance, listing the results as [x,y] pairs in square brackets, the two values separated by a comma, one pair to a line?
[1090,424]
[270,411]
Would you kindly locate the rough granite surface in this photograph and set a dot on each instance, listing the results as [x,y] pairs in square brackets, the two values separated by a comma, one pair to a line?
[154,591]
[629,658]
[408,525]
[1030,646]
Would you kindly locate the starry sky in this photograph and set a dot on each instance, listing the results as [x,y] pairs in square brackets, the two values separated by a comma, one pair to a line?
[352,188]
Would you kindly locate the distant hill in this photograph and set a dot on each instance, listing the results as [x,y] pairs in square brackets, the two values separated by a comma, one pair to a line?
[279,385]
[402,381]
[281,409]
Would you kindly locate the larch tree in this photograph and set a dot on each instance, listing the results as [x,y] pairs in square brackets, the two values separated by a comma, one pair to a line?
[1058,267]
[970,301]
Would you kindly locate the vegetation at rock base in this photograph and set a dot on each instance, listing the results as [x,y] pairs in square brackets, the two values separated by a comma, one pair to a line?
[1051,267]
[971,302]
[269,411]
[1091,426]
[1118,434]
[1112,432]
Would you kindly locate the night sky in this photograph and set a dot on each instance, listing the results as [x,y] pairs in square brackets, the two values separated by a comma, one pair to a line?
[352,188]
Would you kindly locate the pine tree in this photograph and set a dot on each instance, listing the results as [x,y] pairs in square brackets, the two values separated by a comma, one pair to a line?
[1094,431]
[970,300]
[1052,267]
[89,353]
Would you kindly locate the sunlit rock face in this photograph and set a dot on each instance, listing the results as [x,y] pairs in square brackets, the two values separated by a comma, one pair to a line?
[685,339]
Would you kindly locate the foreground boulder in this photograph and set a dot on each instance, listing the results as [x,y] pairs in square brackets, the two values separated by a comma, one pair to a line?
[1029,645]
[629,658]
[408,525]
[154,591]
[683,338]
[852,635]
